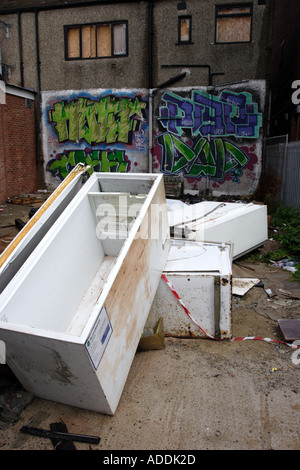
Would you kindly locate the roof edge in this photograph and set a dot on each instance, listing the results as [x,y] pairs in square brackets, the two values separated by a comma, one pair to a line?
[36,8]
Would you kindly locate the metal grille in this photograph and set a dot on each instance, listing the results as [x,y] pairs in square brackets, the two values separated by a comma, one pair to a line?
[282,167]
[291,191]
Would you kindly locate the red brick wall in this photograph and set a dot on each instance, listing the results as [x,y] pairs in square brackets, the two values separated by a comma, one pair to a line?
[18,172]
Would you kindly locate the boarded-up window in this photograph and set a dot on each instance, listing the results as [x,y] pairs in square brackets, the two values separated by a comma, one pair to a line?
[184,29]
[233,24]
[103,40]
[96,40]
[88,41]
[73,43]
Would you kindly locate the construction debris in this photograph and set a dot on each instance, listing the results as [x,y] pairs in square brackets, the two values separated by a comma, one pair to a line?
[240,286]
[25,200]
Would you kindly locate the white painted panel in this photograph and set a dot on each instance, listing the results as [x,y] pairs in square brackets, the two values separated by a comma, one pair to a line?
[201,275]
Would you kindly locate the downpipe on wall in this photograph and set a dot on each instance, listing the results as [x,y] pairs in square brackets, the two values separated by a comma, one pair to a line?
[166,84]
[38,73]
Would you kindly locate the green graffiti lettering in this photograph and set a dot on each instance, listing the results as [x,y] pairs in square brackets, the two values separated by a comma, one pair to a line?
[113,161]
[65,115]
[204,163]
[98,160]
[88,128]
[177,153]
[211,159]
[107,120]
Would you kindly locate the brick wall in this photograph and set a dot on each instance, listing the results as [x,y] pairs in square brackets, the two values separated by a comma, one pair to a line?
[18,173]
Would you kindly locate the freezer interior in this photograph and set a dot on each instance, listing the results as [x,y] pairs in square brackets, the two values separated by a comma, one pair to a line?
[57,287]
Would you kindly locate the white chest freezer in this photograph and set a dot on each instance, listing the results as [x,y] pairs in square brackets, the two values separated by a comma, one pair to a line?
[72,316]
[201,276]
[245,226]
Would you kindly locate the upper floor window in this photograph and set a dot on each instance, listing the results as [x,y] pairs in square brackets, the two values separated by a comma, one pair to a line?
[184,30]
[90,41]
[233,23]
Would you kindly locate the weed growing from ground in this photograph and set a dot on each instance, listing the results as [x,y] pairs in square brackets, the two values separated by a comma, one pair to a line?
[285,222]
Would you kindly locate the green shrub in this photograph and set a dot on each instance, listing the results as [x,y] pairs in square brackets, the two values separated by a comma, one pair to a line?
[286,221]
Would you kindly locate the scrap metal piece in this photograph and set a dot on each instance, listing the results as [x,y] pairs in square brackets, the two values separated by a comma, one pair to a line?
[60,435]
[60,444]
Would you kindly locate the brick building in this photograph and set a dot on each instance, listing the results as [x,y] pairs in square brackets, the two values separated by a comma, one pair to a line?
[17,142]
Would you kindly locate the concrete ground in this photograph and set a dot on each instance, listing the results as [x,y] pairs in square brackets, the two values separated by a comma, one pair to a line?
[195,394]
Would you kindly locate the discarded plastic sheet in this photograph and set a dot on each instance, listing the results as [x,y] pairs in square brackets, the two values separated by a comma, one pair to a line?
[241,285]
[201,275]
[285,264]
[72,317]
[245,226]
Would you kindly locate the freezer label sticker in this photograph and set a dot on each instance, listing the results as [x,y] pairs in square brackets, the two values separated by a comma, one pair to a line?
[99,338]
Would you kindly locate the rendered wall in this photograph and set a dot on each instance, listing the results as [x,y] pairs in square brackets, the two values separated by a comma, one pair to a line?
[106,129]
[211,136]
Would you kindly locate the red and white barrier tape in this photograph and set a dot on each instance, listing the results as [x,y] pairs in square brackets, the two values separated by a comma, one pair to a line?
[238,338]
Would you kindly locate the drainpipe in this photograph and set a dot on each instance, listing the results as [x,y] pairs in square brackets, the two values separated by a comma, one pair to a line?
[38,72]
[150,84]
[150,169]
[152,92]
[20,49]
[150,79]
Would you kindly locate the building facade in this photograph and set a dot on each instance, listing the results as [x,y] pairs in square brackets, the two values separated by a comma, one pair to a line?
[100,70]
[18,171]
[285,71]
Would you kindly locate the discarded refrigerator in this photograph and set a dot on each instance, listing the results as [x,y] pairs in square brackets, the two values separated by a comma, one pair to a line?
[245,226]
[72,316]
[201,276]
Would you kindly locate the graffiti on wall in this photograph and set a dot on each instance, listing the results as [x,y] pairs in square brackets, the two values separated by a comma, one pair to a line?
[97,160]
[107,132]
[203,136]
